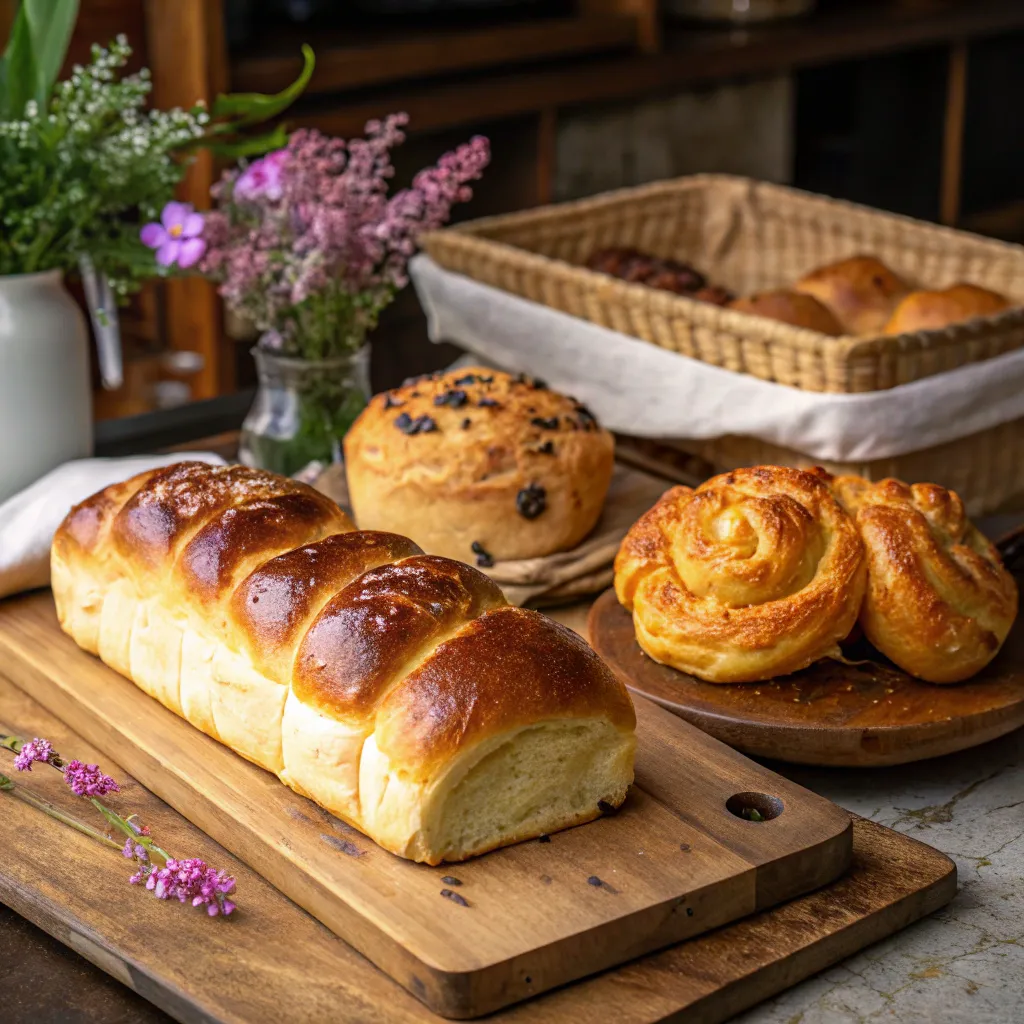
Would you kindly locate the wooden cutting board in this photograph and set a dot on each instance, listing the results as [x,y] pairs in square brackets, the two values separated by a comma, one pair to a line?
[271,961]
[673,863]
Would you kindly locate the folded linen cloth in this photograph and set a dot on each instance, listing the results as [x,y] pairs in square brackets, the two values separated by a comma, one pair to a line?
[640,389]
[567,575]
[30,518]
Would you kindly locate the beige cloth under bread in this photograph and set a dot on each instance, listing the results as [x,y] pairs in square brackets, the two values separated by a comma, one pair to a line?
[567,575]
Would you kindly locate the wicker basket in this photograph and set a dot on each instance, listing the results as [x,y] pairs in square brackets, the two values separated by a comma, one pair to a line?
[749,236]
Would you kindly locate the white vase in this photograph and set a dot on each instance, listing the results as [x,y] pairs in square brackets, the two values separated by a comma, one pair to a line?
[45,390]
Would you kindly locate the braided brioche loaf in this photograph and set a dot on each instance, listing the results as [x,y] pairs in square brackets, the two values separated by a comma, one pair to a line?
[396,689]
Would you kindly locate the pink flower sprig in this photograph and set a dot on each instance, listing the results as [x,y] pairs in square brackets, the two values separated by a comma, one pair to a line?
[34,750]
[81,779]
[189,881]
[306,243]
[88,780]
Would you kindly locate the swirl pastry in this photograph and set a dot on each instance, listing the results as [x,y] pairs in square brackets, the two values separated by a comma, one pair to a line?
[756,573]
[939,602]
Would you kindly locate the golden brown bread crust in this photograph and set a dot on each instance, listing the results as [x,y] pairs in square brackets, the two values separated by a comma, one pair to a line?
[939,602]
[246,603]
[210,518]
[479,457]
[754,574]
[374,631]
[860,292]
[790,307]
[933,310]
[540,668]
[88,524]
[276,604]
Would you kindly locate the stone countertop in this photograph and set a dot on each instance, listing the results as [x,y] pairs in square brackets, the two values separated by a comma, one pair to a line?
[964,964]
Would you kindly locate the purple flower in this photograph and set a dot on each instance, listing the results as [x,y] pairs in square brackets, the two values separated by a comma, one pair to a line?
[307,240]
[34,750]
[88,780]
[176,238]
[193,880]
[262,178]
[138,853]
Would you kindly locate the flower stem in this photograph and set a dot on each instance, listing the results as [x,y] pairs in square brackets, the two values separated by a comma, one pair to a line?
[116,821]
[41,805]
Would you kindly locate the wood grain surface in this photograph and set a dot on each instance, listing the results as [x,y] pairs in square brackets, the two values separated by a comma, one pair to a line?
[671,864]
[862,714]
[271,961]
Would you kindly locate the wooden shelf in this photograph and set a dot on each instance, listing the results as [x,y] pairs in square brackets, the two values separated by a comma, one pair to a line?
[691,56]
[1005,222]
[351,61]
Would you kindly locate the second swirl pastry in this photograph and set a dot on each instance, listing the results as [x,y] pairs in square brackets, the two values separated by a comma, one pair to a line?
[939,602]
[757,573]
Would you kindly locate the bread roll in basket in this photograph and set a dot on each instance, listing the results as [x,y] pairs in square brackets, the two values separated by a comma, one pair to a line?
[396,689]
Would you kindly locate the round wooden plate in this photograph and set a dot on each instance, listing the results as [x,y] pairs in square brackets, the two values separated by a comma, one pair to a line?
[831,713]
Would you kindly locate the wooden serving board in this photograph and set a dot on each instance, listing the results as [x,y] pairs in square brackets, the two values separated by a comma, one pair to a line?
[854,715]
[271,961]
[672,863]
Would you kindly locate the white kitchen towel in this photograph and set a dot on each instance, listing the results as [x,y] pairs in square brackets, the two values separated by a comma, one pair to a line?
[29,520]
[636,388]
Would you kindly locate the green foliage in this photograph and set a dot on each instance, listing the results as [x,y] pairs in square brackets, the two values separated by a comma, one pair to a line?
[51,23]
[78,176]
[84,163]
[254,107]
[35,52]
[20,75]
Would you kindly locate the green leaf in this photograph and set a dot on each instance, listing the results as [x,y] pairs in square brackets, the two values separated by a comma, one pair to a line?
[255,145]
[51,23]
[21,69]
[253,107]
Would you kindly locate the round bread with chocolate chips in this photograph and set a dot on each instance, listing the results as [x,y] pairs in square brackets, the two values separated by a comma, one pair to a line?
[479,465]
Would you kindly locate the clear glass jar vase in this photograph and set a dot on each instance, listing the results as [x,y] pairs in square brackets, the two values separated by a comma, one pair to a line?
[303,409]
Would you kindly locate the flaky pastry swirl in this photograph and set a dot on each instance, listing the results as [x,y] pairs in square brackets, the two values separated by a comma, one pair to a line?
[939,602]
[756,573]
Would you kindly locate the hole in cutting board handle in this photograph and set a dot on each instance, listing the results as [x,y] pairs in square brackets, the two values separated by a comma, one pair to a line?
[754,806]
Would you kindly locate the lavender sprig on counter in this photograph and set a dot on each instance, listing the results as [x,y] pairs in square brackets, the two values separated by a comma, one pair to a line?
[88,780]
[189,880]
[34,750]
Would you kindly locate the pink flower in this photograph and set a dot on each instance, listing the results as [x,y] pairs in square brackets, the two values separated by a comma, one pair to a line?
[262,178]
[176,238]
[88,780]
[34,750]
[306,242]
[193,880]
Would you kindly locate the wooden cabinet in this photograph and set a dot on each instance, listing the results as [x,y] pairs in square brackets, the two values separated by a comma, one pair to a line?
[513,80]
